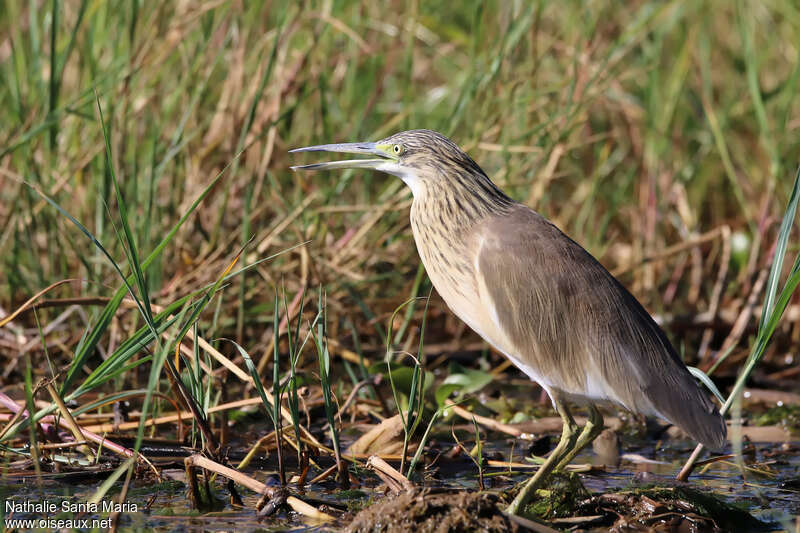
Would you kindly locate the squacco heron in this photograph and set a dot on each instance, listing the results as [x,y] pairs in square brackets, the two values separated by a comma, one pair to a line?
[536,296]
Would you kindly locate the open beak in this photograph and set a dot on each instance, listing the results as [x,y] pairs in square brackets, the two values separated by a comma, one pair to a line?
[347,148]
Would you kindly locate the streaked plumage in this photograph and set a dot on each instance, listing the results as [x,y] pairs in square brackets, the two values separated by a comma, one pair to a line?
[536,295]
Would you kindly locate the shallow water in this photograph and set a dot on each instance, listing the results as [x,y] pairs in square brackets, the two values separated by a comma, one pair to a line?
[165,507]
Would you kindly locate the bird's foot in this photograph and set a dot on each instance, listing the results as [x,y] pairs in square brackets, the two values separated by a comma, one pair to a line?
[548,496]
[527,490]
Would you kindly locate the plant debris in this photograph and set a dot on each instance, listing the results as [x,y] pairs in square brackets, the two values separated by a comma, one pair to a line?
[670,508]
[426,511]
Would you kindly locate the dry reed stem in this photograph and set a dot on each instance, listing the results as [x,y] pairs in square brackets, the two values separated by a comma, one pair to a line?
[486,421]
[69,420]
[716,294]
[745,314]
[669,251]
[198,461]
[396,481]
[30,302]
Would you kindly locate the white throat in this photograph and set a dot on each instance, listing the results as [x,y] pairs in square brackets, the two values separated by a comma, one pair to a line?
[404,173]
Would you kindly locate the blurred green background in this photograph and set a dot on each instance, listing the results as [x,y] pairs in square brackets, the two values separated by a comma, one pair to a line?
[637,127]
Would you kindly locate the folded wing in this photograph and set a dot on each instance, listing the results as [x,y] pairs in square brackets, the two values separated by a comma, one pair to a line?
[570,320]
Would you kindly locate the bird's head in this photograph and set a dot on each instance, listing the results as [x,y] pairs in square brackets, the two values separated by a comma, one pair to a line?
[418,157]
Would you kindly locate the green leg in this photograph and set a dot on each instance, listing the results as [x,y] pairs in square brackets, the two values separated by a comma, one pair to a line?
[569,434]
[590,432]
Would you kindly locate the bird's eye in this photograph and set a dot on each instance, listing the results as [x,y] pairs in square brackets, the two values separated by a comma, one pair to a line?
[398,149]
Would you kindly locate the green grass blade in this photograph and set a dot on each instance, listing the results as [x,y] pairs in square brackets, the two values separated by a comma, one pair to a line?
[251,368]
[703,377]
[133,255]
[99,328]
[780,252]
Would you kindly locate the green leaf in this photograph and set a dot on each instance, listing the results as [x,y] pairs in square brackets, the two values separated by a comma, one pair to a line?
[403,378]
[468,379]
[444,391]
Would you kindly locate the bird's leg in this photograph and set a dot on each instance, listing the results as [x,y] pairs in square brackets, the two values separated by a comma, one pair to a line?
[590,432]
[569,434]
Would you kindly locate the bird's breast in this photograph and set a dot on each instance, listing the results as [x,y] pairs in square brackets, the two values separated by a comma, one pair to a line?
[447,259]
[451,261]
[449,256]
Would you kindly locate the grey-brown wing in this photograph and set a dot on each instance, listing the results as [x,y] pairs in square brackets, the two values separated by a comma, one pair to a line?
[577,325]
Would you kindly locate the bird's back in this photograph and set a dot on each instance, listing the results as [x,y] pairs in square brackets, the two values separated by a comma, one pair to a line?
[573,326]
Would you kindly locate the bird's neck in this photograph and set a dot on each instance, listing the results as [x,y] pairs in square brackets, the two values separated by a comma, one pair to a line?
[446,219]
[457,203]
